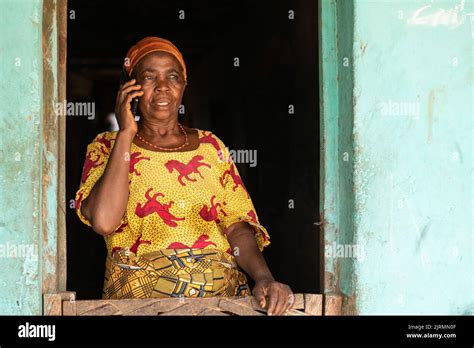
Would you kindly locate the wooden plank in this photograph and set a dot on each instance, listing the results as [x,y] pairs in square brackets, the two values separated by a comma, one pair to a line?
[299,301]
[53,304]
[53,219]
[181,310]
[295,312]
[248,301]
[61,17]
[305,304]
[105,309]
[332,304]
[236,308]
[155,308]
[212,312]
[48,140]
[313,304]
[92,307]
[69,308]
[67,295]
[112,307]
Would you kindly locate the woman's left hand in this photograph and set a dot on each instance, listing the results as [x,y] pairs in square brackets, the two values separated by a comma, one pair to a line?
[280,296]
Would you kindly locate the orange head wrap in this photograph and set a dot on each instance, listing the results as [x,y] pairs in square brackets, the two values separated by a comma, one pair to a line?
[151,44]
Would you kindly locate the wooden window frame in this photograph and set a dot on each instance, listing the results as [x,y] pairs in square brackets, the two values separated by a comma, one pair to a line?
[335,40]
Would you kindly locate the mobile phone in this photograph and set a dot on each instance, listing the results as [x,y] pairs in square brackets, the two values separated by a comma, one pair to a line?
[124,77]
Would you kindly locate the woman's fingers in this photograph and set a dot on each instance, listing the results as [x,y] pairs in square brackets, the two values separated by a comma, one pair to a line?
[129,90]
[281,304]
[128,83]
[125,85]
[125,94]
[259,294]
[131,96]
[281,299]
[272,300]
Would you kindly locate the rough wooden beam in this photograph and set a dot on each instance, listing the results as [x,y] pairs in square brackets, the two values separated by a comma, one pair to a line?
[53,304]
[237,308]
[305,304]
[61,17]
[53,218]
[313,304]
[69,303]
[333,304]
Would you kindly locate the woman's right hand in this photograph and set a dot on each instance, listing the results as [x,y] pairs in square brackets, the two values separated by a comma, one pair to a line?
[123,112]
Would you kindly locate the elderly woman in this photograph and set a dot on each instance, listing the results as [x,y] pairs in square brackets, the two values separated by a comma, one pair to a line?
[169,201]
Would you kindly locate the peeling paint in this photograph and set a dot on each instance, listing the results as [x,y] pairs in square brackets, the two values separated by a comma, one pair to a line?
[362,46]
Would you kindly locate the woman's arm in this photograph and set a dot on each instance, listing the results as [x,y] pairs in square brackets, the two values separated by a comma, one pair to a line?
[248,256]
[106,204]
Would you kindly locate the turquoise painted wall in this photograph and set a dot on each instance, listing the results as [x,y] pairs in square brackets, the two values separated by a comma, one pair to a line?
[401,111]
[413,127]
[20,156]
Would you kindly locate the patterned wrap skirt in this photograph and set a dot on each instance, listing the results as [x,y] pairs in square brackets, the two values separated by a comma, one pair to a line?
[173,273]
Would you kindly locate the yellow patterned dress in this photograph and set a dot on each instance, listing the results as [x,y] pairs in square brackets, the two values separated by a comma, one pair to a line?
[171,240]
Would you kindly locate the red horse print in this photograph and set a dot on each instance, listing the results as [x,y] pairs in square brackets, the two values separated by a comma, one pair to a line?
[235,177]
[153,206]
[200,243]
[209,139]
[138,242]
[210,214]
[185,170]
[134,159]
[89,164]
[103,140]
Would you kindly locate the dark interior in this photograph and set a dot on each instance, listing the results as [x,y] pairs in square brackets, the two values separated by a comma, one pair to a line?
[246,106]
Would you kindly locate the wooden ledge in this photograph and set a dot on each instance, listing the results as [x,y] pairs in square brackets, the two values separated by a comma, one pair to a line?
[65,303]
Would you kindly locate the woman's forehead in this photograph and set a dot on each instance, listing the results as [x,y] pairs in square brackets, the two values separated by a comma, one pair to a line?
[158,60]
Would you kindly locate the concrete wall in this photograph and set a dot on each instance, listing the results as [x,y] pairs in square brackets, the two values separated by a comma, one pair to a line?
[20,153]
[413,96]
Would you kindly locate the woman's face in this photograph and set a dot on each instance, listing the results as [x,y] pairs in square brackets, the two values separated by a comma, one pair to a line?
[162,81]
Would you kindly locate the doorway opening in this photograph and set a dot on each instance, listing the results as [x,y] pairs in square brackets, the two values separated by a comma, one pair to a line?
[268,103]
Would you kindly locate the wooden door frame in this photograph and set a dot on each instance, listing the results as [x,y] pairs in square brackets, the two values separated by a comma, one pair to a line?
[53,221]
[335,25]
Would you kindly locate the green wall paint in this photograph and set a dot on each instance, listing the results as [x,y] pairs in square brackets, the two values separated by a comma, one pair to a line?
[20,151]
[413,167]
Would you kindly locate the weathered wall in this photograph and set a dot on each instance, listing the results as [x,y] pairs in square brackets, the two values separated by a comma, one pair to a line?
[413,95]
[20,153]
[408,94]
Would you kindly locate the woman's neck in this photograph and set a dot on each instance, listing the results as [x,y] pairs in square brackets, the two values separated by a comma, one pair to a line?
[161,129]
